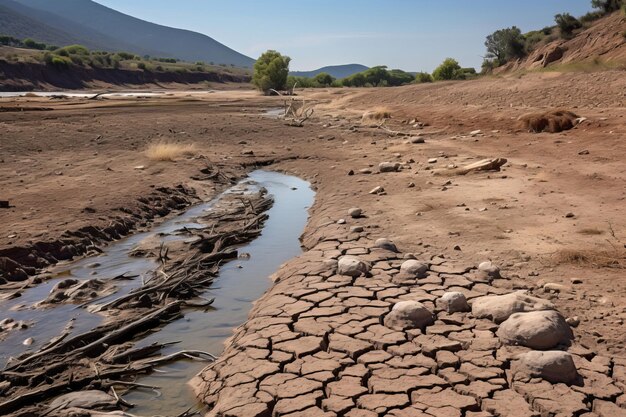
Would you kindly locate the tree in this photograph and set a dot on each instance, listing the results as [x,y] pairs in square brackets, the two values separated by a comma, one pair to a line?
[505,44]
[324,79]
[271,71]
[448,70]
[567,24]
[607,6]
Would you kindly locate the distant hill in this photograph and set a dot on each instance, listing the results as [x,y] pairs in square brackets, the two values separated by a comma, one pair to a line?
[21,27]
[98,27]
[337,71]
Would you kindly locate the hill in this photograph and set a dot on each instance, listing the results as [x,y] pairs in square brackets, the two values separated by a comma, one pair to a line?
[601,45]
[21,27]
[337,71]
[98,27]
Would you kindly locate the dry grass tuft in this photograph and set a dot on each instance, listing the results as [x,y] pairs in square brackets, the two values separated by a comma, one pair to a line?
[590,258]
[553,121]
[168,151]
[378,113]
[30,95]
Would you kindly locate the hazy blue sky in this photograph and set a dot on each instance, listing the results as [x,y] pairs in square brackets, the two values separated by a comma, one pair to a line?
[413,35]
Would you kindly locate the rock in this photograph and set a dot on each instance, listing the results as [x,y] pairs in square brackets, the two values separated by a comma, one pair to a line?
[92,399]
[416,140]
[341,221]
[570,215]
[490,164]
[365,171]
[377,190]
[573,321]
[356,229]
[489,269]
[432,161]
[554,54]
[551,286]
[28,341]
[414,268]
[355,212]
[409,315]
[536,330]
[553,366]
[475,132]
[389,167]
[576,281]
[500,307]
[453,302]
[352,266]
[384,243]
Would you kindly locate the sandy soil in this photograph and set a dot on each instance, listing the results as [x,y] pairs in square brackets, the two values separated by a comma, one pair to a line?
[554,214]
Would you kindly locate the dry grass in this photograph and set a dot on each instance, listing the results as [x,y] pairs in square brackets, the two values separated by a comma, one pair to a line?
[553,121]
[30,95]
[378,113]
[592,258]
[168,151]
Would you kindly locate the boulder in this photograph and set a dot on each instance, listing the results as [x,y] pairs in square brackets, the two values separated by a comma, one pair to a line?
[540,330]
[453,302]
[384,243]
[389,167]
[352,266]
[409,315]
[414,268]
[355,212]
[500,307]
[553,366]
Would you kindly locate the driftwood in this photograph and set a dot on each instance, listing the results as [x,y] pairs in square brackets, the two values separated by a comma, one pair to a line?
[105,356]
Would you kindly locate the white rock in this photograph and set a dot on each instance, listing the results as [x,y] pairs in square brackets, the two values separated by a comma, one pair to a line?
[409,315]
[356,229]
[377,190]
[476,132]
[500,307]
[384,243]
[355,212]
[352,266]
[341,221]
[432,161]
[536,329]
[453,302]
[489,269]
[414,267]
[388,167]
[553,366]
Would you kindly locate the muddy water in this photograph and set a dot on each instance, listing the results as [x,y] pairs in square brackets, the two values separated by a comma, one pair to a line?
[239,283]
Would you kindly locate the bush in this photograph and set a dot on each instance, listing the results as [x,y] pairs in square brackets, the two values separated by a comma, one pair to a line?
[30,43]
[397,77]
[141,66]
[73,50]
[567,24]
[324,79]
[448,70]
[56,61]
[271,71]
[590,17]
[488,66]
[423,77]
[607,6]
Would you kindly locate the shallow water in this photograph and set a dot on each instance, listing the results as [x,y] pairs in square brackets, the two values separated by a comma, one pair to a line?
[239,283]
[85,94]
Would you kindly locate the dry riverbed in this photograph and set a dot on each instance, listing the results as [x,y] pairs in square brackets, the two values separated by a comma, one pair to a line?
[320,341]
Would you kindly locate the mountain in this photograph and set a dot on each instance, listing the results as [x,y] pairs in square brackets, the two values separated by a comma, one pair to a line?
[337,71]
[99,27]
[22,27]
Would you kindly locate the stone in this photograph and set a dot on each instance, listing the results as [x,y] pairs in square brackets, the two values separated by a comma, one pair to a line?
[414,268]
[90,400]
[409,315]
[384,243]
[453,302]
[355,212]
[389,167]
[536,329]
[352,266]
[356,229]
[377,190]
[416,140]
[500,307]
[553,366]
[508,403]
[489,269]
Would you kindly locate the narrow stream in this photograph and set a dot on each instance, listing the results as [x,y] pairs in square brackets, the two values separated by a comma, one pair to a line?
[239,283]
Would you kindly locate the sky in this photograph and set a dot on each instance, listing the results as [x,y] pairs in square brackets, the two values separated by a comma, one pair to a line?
[413,35]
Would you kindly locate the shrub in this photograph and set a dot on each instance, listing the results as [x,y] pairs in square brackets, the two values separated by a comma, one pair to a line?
[125,56]
[590,17]
[607,6]
[324,79]
[73,50]
[488,66]
[166,151]
[423,77]
[141,66]
[30,43]
[397,77]
[567,24]
[271,71]
[56,61]
[448,70]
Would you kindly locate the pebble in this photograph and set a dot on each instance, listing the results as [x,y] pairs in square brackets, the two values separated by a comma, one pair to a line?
[341,221]
[377,190]
[28,341]
[569,215]
[356,229]
[355,212]
[432,161]
[576,280]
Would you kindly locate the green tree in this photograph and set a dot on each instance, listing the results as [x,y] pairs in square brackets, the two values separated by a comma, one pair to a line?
[505,44]
[271,71]
[607,6]
[567,24]
[448,70]
[324,79]
[423,77]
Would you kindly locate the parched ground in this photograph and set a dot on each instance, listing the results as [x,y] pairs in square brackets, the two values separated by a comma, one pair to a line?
[315,343]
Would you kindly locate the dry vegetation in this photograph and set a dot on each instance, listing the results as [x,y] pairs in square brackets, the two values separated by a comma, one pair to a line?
[168,151]
[553,121]
[378,113]
[615,258]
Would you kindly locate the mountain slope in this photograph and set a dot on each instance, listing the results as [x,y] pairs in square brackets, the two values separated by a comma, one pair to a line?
[603,44]
[139,36]
[21,27]
[337,71]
